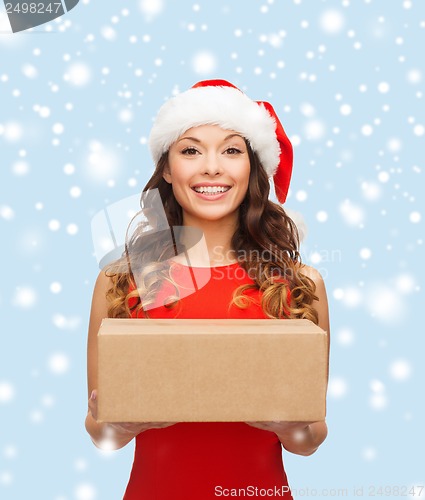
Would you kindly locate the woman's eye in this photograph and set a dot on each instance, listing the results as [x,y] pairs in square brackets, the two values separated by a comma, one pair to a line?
[189,151]
[233,151]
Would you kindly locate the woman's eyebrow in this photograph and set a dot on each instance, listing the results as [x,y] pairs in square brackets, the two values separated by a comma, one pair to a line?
[199,141]
[232,135]
[190,138]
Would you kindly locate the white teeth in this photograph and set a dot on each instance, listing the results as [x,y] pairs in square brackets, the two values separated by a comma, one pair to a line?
[210,189]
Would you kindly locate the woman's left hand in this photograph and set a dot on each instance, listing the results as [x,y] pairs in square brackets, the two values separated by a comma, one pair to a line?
[281,428]
[301,438]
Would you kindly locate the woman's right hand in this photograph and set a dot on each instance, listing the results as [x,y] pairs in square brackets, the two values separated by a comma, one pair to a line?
[123,430]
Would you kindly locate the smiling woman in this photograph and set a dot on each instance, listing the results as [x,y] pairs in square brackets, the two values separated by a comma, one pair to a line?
[215,150]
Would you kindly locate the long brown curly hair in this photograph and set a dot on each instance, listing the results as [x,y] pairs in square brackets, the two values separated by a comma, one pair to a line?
[266,243]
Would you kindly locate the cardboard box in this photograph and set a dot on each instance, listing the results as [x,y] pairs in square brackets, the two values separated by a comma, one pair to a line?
[199,370]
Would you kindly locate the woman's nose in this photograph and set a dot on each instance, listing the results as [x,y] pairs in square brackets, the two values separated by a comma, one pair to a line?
[212,165]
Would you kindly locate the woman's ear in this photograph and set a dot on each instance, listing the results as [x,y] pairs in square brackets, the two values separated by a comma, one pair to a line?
[166,174]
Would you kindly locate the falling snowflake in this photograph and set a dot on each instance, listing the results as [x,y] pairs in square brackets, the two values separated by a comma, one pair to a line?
[204,63]
[332,21]
[58,363]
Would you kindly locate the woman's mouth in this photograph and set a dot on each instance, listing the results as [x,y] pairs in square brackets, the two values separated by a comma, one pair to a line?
[211,192]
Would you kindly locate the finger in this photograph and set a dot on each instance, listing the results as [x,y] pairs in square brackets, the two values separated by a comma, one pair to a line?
[162,424]
[93,403]
[258,425]
[93,408]
[125,428]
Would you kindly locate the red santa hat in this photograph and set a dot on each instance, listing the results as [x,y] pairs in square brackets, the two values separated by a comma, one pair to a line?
[218,102]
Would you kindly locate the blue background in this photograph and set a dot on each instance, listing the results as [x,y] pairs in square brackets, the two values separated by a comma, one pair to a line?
[77,99]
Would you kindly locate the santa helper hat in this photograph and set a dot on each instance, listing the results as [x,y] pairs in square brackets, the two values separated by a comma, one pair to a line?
[218,102]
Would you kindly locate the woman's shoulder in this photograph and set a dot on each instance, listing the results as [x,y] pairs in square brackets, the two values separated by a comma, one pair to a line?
[309,271]
[103,280]
[102,286]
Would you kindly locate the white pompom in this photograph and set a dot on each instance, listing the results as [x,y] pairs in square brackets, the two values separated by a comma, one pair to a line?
[299,221]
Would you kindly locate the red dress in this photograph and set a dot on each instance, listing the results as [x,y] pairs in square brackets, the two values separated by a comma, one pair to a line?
[206,460]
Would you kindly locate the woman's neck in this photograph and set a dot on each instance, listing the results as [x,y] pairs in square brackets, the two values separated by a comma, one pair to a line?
[213,248]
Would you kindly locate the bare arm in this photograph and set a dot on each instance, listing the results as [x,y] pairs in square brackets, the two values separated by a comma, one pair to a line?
[304,438]
[307,439]
[105,435]
[100,433]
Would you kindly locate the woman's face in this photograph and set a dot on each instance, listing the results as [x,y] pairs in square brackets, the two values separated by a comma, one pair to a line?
[208,168]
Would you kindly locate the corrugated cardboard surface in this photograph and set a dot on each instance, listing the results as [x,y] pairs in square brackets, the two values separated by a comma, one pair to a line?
[191,370]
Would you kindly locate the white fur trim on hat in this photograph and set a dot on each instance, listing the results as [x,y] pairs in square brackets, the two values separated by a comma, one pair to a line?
[227,107]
